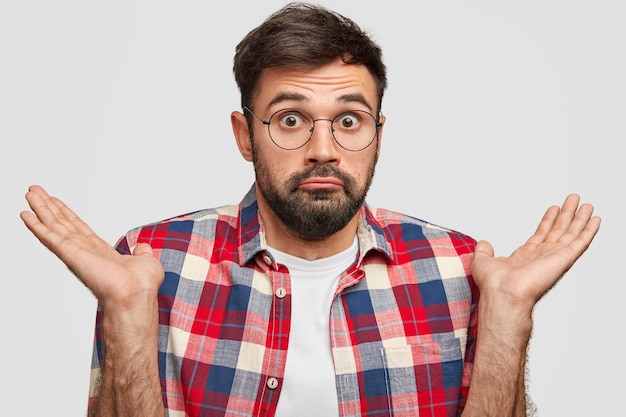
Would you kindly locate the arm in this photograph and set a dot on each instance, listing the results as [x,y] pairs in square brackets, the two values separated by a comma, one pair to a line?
[126,287]
[509,289]
[129,383]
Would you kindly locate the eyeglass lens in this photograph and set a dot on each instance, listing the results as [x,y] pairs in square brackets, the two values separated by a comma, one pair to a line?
[292,128]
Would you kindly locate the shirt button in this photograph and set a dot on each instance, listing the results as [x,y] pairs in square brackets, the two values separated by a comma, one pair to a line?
[281,292]
[272,383]
[267,260]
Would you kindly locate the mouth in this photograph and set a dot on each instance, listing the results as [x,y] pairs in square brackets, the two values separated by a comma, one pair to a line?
[321,183]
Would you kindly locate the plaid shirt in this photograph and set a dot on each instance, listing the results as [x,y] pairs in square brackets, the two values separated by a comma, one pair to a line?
[402,323]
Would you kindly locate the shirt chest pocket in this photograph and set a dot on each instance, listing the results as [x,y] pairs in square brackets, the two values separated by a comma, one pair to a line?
[424,379]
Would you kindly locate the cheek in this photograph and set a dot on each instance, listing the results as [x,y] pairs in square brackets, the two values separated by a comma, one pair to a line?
[273,165]
[363,167]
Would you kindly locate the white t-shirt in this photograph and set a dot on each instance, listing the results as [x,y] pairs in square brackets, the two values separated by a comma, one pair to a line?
[309,384]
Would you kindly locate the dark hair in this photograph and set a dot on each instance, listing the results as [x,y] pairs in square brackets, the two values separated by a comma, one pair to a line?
[304,35]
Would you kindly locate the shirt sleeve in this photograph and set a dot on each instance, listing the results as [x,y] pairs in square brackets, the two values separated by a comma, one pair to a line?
[470,348]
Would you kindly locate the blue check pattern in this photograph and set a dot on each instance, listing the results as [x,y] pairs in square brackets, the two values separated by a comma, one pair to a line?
[403,321]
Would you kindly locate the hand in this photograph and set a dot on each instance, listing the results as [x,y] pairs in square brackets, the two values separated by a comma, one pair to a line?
[521,279]
[126,287]
[118,281]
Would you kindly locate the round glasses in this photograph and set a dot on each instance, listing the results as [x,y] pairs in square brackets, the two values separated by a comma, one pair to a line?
[353,130]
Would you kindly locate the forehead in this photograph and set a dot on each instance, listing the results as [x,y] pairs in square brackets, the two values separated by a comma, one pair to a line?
[328,85]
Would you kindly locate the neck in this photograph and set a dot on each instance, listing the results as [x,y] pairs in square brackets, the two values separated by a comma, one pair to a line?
[279,236]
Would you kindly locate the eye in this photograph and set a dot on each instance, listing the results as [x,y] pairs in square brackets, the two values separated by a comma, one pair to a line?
[347,121]
[291,119]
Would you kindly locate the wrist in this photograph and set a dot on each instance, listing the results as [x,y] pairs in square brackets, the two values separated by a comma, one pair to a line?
[504,320]
[133,326]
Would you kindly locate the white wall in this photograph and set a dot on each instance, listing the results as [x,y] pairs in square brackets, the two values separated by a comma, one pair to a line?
[495,111]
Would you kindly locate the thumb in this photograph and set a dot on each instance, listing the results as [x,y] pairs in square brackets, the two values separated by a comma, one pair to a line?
[483,249]
[143,249]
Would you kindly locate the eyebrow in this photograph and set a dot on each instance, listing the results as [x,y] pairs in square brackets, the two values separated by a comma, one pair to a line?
[346,98]
[355,98]
[285,96]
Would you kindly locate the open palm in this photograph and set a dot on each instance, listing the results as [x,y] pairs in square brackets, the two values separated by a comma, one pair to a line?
[562,236]
[116,280]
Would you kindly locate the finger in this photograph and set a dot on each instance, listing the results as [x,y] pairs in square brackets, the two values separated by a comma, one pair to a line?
[568,228]
[545,225]
[33,223]
[581,239]
[41,216]
[41,231]
[42,205]
[483,249]
[38,189]
[73,222]
[50,220]
[42,221]
[142,249]
[555,221]
[54,214]
[568,213]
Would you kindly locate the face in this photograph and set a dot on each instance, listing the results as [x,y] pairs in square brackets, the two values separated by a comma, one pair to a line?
[316,190]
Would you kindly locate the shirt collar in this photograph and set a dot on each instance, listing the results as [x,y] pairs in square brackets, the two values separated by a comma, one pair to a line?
[252,232]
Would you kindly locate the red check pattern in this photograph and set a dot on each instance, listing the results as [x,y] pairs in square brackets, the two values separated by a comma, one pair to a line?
[403,321]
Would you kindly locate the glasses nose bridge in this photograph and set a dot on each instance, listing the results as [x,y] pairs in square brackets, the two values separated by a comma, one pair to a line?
[332,129]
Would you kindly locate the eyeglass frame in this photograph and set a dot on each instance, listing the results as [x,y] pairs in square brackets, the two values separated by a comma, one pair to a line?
[377,124]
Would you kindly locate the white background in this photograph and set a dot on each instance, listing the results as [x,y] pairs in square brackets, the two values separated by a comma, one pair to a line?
[495,111]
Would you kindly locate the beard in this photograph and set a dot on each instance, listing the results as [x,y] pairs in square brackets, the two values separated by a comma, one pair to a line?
[312,214]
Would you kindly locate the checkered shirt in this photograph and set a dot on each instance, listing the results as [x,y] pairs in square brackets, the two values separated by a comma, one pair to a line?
[402,323]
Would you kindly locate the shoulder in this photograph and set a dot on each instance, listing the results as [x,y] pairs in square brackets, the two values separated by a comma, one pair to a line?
[184,229]
[420,252]
[407,235]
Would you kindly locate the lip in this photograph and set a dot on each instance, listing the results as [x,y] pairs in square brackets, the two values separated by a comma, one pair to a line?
[321,182]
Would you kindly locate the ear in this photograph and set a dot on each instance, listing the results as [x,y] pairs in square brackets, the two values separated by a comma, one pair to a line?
[242,134]
[383,119]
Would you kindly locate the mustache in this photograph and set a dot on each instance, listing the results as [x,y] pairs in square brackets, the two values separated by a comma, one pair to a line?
[320,171]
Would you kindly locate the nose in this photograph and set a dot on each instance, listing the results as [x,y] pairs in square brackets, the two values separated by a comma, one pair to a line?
[322,147]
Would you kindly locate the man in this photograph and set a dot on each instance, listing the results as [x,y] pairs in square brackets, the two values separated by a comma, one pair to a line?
[303,300]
